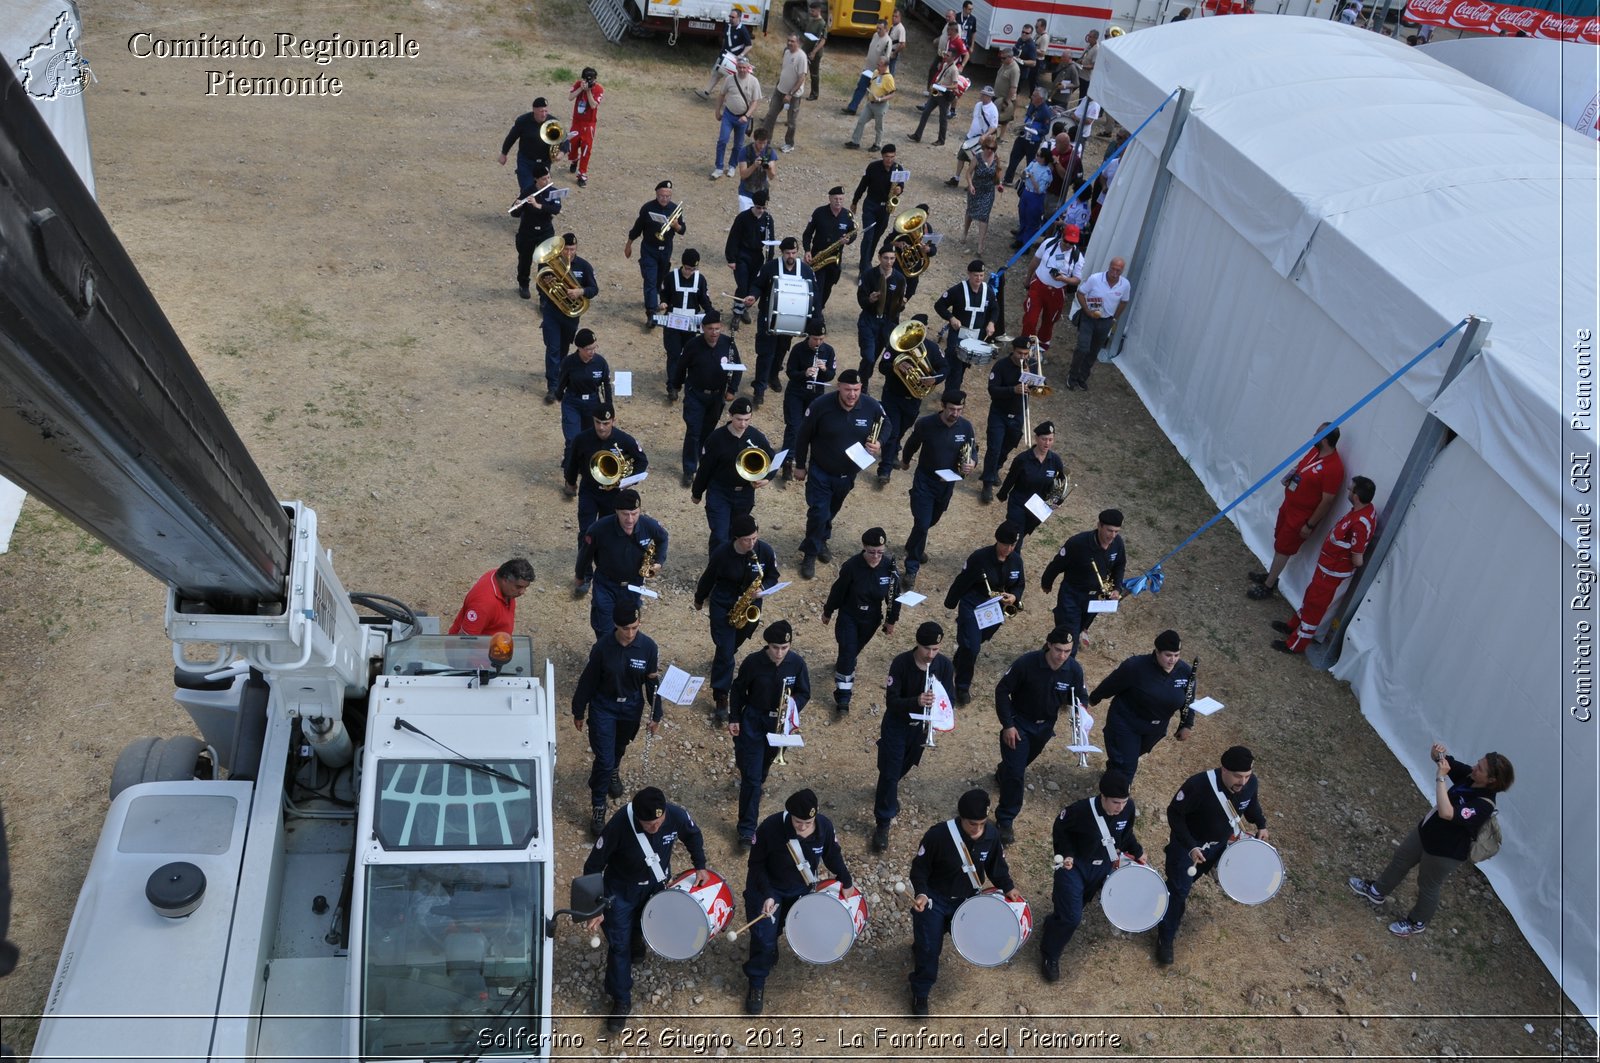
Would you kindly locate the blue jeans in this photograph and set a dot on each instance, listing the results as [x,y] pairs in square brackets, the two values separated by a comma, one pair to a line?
[1179,883]
[701,411]
[1005,432]
[754,756]
[611,727]
[928,928]
[653,265]
[872,336]
[1032,737]
[862,84]
[727,640]
[1073,888]
[825,495]
[930,497]
[764,935]
[733,128]
[603,598]
[622,932]
[1126,743]
[852,631]
[721,505]
[1093,332]
[900,746]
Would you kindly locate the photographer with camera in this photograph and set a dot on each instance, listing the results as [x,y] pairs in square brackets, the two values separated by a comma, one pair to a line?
[585,94]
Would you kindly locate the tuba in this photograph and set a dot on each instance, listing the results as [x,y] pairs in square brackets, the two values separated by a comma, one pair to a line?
[747,610]
[910,226]
[910,362]
[752,464]
[551,132]
[610,467]
[554,278]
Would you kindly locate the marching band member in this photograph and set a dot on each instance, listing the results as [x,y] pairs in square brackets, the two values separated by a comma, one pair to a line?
[526,133]
[718,480]
[833,424]
[1085,862]
[990,571]
[900,406]
[1091,565]
[907,690]
[1201,828]
[965,305]
[1038,470]
[635,869]
[616,547]
[535,225]
[758,706]
[1057,272]
[747,248]
[881,294]
[618,679]
[947,440]
[946,871]
[1005,414]
[896,242]
[585,94]
[736,41]
[829,224]
[709,387]
[775,880]
[583,384]
[743,564]
[683,291]
[655,253]
[811,365]
[866,585]
[596,500]
[1028,700]
[1146,691]
[771,349]
[558,329]
[877,186]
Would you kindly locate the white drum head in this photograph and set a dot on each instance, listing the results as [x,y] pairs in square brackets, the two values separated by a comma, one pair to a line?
[1250,871]
[820,929]
[986,931]
[1134,898]
[674,925]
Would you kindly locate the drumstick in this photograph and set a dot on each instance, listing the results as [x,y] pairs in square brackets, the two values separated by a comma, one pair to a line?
[733,935]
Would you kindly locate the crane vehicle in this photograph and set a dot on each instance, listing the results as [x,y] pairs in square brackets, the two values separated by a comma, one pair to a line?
[356,861]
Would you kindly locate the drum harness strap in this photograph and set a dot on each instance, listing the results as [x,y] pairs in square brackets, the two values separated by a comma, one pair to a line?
[1227,806]
[968,865]
[801,864]
[651,860]
[1105,834]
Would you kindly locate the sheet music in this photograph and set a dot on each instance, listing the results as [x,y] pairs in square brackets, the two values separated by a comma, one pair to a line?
[1038,508]
[679,687]
[947,476]
[990,614]
[787,741]
[1100,605]
[1207,706]
[622,384]
[858,454]
[658,217]
[731,367]
[643,592]
[556,195]
[636,478]
[779,458]
[1031,379]
[899,177]
[774,589]
[910,598]
[933,238]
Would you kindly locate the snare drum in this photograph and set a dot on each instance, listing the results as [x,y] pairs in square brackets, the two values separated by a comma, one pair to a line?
[1250,871]
[679,921]
[789,306]
[823,925]
[988,929]
[1134,898]
[975,352]
[728,63]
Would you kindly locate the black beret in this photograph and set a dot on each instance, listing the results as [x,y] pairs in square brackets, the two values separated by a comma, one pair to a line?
[1168,641]
[583,338]
[1111,518]
[569,239]
[663,184]
[624,613]
[779,633]
[921,319]
[741,405]
[1238,758]
[712,317]
[802,804]
[627,498]
[850,376]
[954,396]
[538,102]
[741,525]
[1008,532]
[1059,635]
[929,633]
[874,537]
[649,803]
[1045,428]
[816,326]
[975,266]
[604,413]
[974,804]
[789,244]
[836,190]
[1113,784]
[1019,343]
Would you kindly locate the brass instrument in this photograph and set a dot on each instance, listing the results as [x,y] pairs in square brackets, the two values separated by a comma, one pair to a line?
[833,254]
[874,432]
[663,233]
[1036,353]
[784,727]
[554,278]
[910,362]
[551,132]
[1114,31]
[895,191]
[1107,588]
[747,610]
[1010,610]
[648,563]
[610,467]
[910,227]
[967,455]
[927,710]
[1058,493]
[752,464]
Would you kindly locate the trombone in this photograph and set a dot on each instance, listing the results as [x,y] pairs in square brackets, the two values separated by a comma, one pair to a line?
[665,232]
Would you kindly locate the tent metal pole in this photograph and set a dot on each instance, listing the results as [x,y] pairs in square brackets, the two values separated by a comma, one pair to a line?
[1431,439]
[1144,245]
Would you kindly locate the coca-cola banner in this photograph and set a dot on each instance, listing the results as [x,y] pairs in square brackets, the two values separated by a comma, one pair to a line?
[1477,16]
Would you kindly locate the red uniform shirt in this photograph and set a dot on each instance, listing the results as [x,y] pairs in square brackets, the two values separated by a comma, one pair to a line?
[582,112]
[485,611]
[1349,537]
[1314,477]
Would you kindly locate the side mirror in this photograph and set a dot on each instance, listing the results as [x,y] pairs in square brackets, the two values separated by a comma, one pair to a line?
[588,899]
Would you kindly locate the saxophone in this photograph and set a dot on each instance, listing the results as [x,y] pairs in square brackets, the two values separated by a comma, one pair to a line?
[832,254]
[648,562]
[747,610]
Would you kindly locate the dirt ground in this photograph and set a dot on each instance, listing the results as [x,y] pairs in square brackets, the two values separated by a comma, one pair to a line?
[342,270]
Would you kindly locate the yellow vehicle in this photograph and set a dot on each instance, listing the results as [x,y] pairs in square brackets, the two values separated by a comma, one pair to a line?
[846,18]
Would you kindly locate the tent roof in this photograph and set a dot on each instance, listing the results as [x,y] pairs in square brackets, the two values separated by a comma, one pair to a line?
[1401,196]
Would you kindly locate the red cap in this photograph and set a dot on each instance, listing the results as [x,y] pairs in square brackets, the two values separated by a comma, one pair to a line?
[1071,233]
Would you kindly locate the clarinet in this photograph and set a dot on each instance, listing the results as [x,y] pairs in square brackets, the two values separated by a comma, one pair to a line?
[1186,717]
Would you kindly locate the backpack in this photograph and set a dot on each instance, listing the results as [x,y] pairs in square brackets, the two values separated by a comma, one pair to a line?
[1486,843]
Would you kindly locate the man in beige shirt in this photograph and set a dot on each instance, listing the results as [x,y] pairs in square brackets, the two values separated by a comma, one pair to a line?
[736,111]
[791,89]
[879,46]
[1006,81]
[897,37]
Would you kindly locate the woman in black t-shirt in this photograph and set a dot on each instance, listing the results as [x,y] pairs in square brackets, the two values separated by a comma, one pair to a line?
[1463,803]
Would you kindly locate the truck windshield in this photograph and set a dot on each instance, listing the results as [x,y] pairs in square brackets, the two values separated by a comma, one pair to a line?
[454,654]
[454,804]
[451,963]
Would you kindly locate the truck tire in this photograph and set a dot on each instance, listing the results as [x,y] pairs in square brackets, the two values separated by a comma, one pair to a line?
[132,764]
[161,760]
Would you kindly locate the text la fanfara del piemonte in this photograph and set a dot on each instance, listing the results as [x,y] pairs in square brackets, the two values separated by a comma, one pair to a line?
[284,47]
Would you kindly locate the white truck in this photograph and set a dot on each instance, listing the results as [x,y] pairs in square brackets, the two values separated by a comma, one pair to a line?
[694,18]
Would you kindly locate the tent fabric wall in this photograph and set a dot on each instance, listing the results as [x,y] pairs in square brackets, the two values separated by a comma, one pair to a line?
[1559,78]
[1339,201]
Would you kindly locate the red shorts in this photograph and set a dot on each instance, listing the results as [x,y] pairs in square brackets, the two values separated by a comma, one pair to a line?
[1286,535]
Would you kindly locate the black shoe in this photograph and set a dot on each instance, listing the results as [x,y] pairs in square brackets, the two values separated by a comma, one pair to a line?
[852,145]
[1258,577]
[915,138]
[1051,969]
[719,717]
[883,480]
[1164,952]
[953,181]
[919,1006]
[549,398]
[636,951]
[615,789]
[1282,646]
[963,696]
[583,180]
[808,567]
[788,472]
[581,589]
[522,290]
[939,143]
[1008,834]
[909,581]
[824,554]
[988,494]
[597,822]
[1260,592]
[573,168]
[686,479]
[880,838]
[841,710]
[874,148]
[754,1000]
[843,110]
[758,400]
[617,1021]
[1280,627]
[672,396]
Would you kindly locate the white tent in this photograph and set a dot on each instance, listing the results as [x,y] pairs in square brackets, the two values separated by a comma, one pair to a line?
[1557,78]
[1337,202]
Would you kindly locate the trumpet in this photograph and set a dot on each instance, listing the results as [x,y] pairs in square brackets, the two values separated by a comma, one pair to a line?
[664,233]
[610,467]
[752,464]
[874,432]
[910,362]
[967,455]
[747,610]
[554,278]
[1107,587]
[927,686]
[551,132]
[1010,610]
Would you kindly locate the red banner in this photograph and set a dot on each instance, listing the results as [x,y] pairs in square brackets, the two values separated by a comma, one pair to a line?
[1479,16]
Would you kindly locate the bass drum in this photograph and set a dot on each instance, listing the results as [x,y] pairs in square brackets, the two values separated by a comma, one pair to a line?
[988,929]
[1250,871]
[789,305]
[680,921]
[823,925]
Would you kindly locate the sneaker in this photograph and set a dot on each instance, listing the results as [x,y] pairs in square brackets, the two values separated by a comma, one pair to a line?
[615,789]
[919,1006]
[824,554]
[952,181]
[733,171]
[716,175]
[808,567]
[1258,577]
[1405,928]
[702,93]
[747,840]
[754,1000]
[1051,969]
[1260,592]
[852,145]
[1362,888]
[988,494]
[1008,834]
[583,180]
[573,168]
[522,291]
[1163,952]
[597,822]
[880,838]
[617,1021]
[787,148]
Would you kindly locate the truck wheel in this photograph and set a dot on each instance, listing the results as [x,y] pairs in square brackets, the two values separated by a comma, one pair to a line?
[132,763]
[161,760]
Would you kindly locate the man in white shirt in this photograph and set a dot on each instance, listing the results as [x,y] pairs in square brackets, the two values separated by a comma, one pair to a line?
[985,119]
[791,90]
[1101,300]
[897,38]
[1058,268]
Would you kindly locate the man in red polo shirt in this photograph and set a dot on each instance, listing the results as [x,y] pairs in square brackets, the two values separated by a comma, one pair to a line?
[1308,495]
[490,607]
[1343,551]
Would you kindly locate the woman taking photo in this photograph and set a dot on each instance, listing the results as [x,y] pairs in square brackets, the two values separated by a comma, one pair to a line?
[1463,804]
[982,178]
